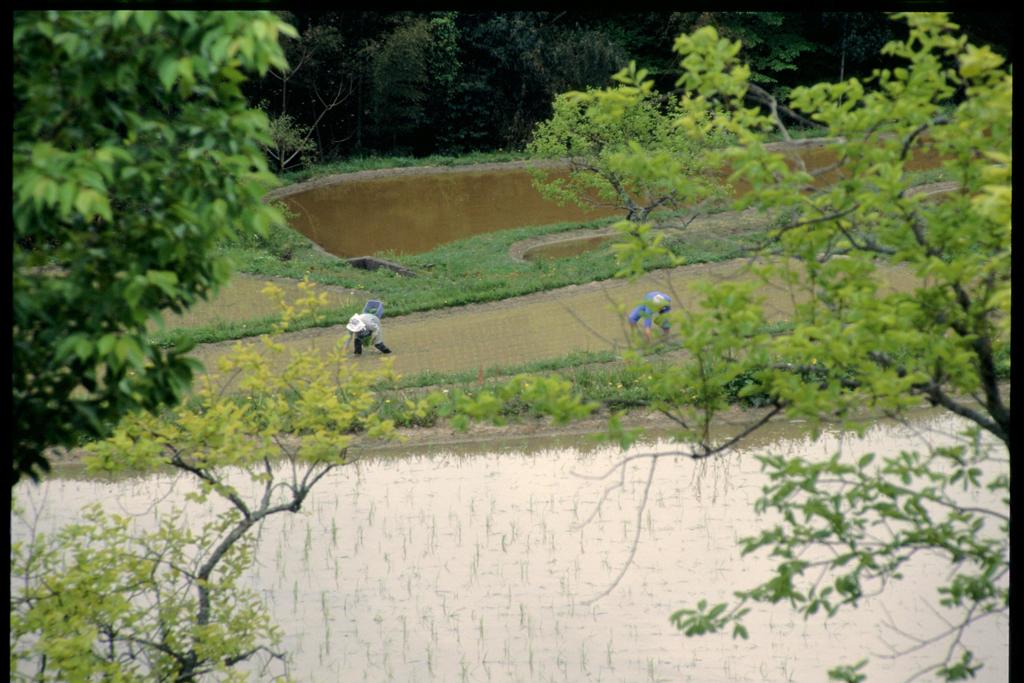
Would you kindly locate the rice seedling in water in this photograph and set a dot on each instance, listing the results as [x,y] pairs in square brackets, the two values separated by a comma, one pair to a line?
[307,545]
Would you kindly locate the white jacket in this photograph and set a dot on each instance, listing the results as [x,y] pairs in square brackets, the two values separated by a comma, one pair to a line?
[372,324]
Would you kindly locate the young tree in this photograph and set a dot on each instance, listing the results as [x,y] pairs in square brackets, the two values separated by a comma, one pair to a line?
[99,598]
[320,85]
[290,144]
[610,159]
[134,153]
[843,529]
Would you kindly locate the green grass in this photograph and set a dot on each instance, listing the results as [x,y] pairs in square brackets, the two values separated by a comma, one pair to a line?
[355,164]
[601,378]
[473,270]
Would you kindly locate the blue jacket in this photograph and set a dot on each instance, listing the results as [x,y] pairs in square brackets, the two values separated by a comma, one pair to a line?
[647,313]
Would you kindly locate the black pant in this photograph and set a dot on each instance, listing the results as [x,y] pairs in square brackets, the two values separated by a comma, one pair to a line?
[379,346]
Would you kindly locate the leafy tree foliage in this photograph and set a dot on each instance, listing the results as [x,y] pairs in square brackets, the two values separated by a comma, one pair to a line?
[100,599]
[482,80]
[134,154]
[171,605]
[843,529]
[773,42]
[540,54]
[430,82]
[401,76]
[851,40]
[609,158]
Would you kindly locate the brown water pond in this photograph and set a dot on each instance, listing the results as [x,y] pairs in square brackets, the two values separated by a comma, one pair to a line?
[568,247]
[413,210]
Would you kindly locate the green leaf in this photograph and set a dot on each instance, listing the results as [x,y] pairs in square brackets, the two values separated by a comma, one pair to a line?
[166,280]
[848,673]
[77,343]
[106,344]
[134,290]
[146,19]
[185,71]
[91,204]
[167,71]
[128,349]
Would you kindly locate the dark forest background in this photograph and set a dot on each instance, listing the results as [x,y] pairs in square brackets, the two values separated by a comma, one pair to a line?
[422,83]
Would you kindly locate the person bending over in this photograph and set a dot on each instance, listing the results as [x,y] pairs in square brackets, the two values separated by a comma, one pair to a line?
[655,303]
[365,329]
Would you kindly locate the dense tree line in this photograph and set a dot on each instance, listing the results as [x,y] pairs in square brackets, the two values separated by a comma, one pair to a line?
[421,83]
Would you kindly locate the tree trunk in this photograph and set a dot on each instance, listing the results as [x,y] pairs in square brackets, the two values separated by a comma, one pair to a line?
[842,58]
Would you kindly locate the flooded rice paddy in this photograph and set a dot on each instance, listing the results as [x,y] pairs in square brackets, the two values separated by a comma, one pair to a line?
[415,210]
[568,247]
[413,213]
[482,566]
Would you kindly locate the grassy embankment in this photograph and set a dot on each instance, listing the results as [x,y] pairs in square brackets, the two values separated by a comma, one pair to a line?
[474,270]
[477,269]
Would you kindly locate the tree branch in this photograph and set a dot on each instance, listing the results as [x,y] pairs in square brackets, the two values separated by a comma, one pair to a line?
[761,95]
[178,461]
[820,219]
[936,396]
[636,536]
[937,121]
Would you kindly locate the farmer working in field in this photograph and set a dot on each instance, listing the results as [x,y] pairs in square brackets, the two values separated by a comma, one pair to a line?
[365,328]
[660,302]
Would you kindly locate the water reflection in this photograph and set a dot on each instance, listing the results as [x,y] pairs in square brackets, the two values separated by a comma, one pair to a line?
[462,565]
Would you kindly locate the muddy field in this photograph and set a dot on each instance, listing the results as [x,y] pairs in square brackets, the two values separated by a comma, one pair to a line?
[551,324]
[242,299]
[534,327]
